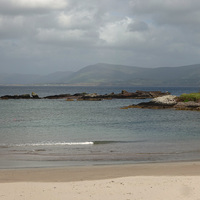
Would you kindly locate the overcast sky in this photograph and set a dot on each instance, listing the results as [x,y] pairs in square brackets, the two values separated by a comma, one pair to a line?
[45,36]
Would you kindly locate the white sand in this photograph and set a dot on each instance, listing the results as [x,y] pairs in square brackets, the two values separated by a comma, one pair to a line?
[128,188]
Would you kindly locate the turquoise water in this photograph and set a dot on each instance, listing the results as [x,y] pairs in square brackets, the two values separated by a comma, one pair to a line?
[39,133]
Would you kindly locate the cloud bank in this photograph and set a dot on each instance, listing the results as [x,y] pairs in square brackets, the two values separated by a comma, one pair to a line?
[43,36]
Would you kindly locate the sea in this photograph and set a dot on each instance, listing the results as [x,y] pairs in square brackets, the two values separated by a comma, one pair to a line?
[59,133]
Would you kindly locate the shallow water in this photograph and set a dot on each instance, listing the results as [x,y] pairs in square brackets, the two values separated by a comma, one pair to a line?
[37,133]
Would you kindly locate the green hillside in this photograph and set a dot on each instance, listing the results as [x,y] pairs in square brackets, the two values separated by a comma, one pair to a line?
[104,74]
[107,74]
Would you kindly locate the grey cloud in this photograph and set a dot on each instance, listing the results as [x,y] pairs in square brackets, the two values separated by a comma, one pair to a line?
[69,38]
[138,26]
[11,27]
[48,35]
[157,6]
[21,7]
[168,12]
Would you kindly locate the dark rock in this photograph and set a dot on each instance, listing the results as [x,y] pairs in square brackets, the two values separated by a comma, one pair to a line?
[149,105]
[7,97]
[34,95]
[60,96]
[124,92]
[153,105]
[23,96]
[191,105]
[89,99]
[80,94]
[150,94]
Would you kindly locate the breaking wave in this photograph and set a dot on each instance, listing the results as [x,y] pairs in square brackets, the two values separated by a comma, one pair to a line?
[103,142]
[55,144]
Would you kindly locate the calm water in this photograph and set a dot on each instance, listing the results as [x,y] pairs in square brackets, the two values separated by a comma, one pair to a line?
[39,133]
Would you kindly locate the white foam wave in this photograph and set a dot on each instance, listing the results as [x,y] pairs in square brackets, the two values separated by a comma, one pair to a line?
[55,144]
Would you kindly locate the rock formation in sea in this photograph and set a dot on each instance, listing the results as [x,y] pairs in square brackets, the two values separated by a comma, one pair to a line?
[94,96]
[124,95]
[167,102]
[22,96]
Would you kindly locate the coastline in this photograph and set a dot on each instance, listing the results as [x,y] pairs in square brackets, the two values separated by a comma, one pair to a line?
[122,182]
[80,173]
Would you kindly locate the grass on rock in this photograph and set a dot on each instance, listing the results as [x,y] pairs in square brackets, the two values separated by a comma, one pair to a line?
[190,97]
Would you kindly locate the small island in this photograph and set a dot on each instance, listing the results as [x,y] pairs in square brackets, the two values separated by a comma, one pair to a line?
[183,102]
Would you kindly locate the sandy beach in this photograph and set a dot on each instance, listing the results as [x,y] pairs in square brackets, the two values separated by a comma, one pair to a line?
[168,181]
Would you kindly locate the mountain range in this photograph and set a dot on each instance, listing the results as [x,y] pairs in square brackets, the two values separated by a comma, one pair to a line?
[103,74]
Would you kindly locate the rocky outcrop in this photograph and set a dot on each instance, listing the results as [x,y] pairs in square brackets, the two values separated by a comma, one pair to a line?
[68,96]
[23,96]
[190,105]
[149,105]
[89,99]
[94,96]
[125,95]
[60,96]
[167,102]
[150,94]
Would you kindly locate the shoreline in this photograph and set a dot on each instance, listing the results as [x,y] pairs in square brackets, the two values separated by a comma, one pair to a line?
[82,173]
[166,181]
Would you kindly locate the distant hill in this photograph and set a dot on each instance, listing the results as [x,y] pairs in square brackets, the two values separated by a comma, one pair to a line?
[114,75]
[104,74]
